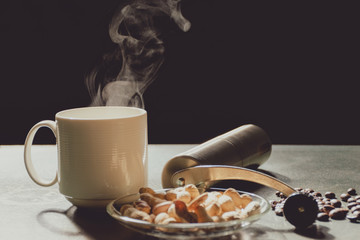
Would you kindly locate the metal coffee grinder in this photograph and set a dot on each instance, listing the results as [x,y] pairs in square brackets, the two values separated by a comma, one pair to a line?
[233,156]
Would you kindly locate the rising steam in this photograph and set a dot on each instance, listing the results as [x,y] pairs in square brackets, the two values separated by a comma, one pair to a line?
[125,74]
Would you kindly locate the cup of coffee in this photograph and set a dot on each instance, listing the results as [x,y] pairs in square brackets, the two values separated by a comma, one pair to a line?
[102,153]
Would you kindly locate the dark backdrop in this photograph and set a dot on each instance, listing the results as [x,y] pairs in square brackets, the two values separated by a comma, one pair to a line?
[289,67]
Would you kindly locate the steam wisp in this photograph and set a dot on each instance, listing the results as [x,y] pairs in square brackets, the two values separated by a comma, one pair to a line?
[128,71]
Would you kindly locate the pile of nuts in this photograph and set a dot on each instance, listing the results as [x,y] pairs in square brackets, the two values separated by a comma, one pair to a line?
[329,206]
[187,205]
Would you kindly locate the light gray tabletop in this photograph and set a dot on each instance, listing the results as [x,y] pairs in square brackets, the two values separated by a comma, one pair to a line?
[28,211]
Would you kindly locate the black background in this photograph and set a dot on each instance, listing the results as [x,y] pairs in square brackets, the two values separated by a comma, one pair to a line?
[289,67]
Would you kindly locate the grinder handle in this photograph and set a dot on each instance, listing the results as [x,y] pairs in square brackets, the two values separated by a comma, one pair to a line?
[204,174]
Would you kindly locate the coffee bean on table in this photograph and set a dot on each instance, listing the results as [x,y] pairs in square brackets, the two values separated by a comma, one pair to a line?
[279,211]
[308,190]
[351,191]
[330,195]
[273,204]
[345,196]
[336,203]
[357,214]
[324,217]
[327,208]
[316,194]
[338,213]
[353,217]
[351,205]
[355,208]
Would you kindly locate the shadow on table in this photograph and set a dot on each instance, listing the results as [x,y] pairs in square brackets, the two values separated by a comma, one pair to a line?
[315,232]
[96,224]
[257,231]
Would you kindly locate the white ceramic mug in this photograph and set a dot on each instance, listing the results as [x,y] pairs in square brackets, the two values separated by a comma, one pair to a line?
[102,153]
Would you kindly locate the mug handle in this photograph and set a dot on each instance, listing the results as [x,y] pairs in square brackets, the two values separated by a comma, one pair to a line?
[27,153]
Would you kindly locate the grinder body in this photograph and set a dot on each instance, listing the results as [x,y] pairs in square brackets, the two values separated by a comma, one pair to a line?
[246,146]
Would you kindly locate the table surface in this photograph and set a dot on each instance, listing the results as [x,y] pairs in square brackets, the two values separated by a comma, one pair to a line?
[28,211]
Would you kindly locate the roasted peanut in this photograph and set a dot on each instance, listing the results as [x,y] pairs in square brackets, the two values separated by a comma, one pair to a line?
[182,212]
[233,215]
[164,218]
[213,197]
[161,207]
[197,201]
[218,219]
[159,195]
[130,211]
[142,206]
[226,203]
[172,213]
[193,190]
[124,207]
[202,215]
[213,209]
[150,199]
[240,201]
[178,194]
[170,195]
[183,196]
[152,217]
[252,208]
[146,190]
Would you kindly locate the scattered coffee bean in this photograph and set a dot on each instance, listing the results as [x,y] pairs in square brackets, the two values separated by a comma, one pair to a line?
[357,214]
[345,196]
[336,203]
[330,195]
[308,190]
[353,217]
[356,208]
[279,211]
[351,191]
[323,217]
[273,204]
[327,208]
[351,205]
[316,194]
[338,213]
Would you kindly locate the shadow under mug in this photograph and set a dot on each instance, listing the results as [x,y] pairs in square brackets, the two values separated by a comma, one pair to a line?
[102,153]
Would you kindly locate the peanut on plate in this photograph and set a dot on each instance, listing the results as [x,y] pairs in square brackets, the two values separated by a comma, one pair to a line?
[187,205]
